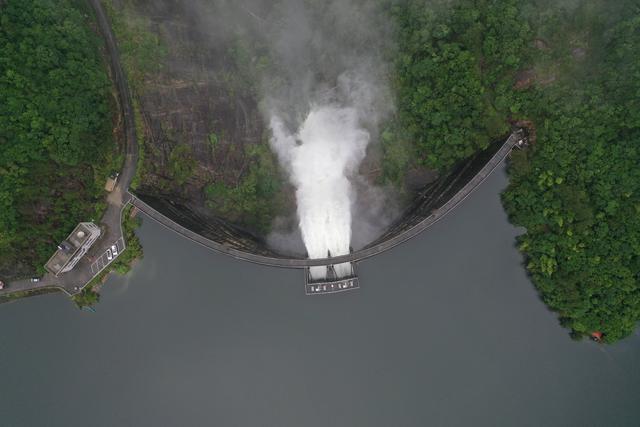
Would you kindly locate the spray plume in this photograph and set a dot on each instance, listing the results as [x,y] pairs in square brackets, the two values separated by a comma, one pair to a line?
[330,99]
[326,150]
[323,92]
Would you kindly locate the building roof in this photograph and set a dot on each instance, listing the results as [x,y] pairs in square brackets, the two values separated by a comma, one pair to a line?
[110,184]
[69,247]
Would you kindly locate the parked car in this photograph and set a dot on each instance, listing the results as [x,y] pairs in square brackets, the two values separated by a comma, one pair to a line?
[109,255]
[114,250]
[35,279]
[2,285]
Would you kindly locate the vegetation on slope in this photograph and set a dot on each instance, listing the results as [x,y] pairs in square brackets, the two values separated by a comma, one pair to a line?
[141,55]
[55,138]
[578,190]
[230,169]
[572,69]
[455,74]
[87,298]
[133,252]
[257,196]
[141,50]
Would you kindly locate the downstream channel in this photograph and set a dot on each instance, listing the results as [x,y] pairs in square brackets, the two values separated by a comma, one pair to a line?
[447,330]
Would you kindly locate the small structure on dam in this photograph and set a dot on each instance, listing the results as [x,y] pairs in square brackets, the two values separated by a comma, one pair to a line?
[332,283]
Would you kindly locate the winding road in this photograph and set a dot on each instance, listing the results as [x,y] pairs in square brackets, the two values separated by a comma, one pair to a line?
[111,222]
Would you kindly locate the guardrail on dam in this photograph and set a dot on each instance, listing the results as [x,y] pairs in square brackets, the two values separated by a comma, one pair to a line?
[433,203]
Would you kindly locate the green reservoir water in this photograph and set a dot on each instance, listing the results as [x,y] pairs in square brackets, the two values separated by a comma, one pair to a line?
[447,330]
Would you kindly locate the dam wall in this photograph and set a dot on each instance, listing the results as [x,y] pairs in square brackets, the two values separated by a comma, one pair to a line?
[432,203]
[435,195]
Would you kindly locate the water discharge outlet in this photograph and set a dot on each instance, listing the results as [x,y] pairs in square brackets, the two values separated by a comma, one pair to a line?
[321,156]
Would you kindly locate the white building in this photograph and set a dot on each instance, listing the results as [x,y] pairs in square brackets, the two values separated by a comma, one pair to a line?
[71,250]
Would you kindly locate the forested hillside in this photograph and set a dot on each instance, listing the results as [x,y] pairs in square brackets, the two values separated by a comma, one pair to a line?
[571,72]
[55,127]
[456,70]
[578,190]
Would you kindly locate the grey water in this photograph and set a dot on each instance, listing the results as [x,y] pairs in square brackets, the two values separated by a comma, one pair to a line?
[447,330]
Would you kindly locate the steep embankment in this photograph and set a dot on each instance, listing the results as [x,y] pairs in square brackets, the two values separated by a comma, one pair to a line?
[201,136]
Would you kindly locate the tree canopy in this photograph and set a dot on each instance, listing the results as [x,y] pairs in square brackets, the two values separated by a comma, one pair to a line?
[572,71]
[578,193]
[54,125]
[454,75]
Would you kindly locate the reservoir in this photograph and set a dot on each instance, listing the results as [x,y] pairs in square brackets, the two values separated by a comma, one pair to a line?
[446,330]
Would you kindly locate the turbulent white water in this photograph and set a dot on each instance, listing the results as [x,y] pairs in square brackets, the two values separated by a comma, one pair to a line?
[320,157]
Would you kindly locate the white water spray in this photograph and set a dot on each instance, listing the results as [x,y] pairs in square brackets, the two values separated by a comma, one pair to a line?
[321,156]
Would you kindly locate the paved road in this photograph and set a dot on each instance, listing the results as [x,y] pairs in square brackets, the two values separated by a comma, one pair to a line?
[111,222]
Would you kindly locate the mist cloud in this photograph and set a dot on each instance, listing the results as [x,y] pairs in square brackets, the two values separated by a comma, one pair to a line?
[323,106]
[323,93]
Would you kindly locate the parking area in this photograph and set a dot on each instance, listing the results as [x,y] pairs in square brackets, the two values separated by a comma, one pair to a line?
[108,256]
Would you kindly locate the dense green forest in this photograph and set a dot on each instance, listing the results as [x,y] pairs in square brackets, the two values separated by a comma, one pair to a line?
[454,76]
[55,128]
[571,72]
[578,190]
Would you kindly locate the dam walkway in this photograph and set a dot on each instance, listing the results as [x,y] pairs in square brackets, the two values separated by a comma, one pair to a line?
[515,139]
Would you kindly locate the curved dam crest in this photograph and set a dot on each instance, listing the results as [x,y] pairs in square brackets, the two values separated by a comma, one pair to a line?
[433,203]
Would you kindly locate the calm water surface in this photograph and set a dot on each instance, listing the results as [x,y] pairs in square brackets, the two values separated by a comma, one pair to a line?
[446,331]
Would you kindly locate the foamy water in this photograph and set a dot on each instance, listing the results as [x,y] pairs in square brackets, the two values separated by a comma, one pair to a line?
[321,156]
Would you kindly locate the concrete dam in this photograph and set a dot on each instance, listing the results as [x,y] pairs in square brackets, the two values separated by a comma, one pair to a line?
[431,204]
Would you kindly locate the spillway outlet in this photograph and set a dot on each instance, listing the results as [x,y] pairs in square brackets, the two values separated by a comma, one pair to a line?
[332,283]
